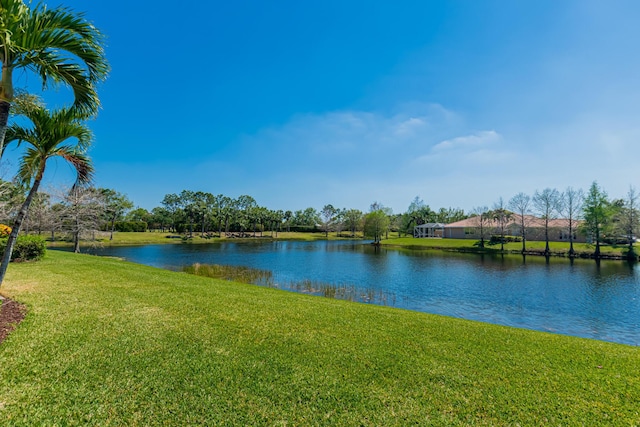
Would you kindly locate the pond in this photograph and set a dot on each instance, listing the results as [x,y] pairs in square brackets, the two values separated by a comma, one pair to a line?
[581,298]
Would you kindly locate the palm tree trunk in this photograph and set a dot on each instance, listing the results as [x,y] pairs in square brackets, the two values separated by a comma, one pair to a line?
[6,257]
[4,119]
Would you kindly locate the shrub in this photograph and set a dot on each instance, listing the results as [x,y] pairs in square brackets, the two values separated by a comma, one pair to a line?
[495,239]
[5,230]
[27,248]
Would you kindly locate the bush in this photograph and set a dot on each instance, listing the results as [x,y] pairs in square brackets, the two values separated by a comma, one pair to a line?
[495,239]
[5,230]
[27,248]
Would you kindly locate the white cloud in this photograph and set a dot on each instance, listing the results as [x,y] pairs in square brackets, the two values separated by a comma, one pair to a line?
[410,126]
[473,142]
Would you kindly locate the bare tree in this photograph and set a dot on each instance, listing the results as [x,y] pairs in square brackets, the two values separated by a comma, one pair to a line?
[84,207]
[11,197]
[39,216]
[501,217]
[520,204]
[571,209]
[547,205]
[328,214]
[629,220]
[483,219]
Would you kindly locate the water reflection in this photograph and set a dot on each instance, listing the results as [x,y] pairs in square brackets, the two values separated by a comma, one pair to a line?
[576,297]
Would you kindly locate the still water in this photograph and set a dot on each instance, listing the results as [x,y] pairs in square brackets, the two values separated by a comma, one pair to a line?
[582,298]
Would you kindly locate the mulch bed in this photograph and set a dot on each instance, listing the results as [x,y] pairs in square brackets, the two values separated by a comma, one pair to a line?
[11,314]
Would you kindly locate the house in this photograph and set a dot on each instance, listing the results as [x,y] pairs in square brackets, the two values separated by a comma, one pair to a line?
[431,229]
[470,229]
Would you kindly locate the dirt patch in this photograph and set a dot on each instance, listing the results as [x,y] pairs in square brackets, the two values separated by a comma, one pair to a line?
[11,314]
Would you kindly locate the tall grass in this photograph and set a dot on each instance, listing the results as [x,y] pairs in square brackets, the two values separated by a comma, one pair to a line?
[254,276]
[233,273]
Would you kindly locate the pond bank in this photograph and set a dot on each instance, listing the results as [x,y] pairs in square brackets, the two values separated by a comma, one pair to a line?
[536,248]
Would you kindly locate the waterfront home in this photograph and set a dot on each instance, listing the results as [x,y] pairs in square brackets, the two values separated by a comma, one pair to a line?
[535,229]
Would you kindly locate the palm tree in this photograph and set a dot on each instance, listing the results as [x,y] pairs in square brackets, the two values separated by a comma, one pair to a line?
[47,139]
[58,45]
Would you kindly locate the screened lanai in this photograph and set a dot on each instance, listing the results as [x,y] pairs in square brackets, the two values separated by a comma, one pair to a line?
[431,229]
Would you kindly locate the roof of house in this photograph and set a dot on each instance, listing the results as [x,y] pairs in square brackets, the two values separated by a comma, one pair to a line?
[529,221]
[431,225]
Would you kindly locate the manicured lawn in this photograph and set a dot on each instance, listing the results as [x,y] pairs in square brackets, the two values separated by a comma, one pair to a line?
[558,248]
[153,238]
[108,342]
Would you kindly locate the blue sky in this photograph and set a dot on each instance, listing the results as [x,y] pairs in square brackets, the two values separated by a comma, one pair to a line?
[302,104]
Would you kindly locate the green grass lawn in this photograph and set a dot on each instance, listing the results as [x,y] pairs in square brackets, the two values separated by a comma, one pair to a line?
[470,245]
[108,343]
[153,238]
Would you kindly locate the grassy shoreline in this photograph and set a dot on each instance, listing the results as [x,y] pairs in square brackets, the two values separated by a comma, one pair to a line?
[107,342]
[155,238]
[534,248]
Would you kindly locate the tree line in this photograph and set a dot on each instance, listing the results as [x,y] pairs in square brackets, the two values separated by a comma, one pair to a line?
[601,219]
[83,210]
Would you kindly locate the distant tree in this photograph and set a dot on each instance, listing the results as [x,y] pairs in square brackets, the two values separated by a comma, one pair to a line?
[306,218]
[57,218]
[84,207]
[483,219]
[339,221]
[12,196]
[520,204]
[187,202]
[397,223]
[418,213]
[139,214]
[39,215]
[597,214]
[116,204]
[225,207]
[353,220]
[376,223]
[203,203]
[171,203]
[160,217]
[328,214]
[548,205]
[276,218]
[260,215]
[571,208]
[245,205]
[629,220]
[449,215]
[501,217]
[288,215]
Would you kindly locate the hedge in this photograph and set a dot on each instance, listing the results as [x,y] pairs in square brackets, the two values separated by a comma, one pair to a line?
[27,248]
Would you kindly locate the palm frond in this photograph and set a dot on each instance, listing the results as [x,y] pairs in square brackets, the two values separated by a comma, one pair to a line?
[59,45]
[50,137]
